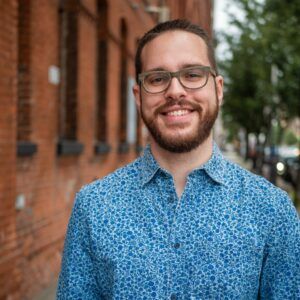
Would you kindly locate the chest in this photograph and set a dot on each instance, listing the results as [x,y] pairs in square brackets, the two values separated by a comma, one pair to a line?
[196,244]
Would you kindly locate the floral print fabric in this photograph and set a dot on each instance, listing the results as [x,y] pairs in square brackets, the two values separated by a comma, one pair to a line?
[231,235]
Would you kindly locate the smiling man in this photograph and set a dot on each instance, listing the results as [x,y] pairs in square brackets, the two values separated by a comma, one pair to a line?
[180,222]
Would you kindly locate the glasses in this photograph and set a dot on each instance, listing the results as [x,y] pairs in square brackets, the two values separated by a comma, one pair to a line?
[192,78]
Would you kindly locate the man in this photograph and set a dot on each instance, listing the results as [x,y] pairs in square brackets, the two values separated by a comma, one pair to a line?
[181,222]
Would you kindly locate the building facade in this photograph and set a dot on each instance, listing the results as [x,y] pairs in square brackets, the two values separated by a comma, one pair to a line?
[67,117]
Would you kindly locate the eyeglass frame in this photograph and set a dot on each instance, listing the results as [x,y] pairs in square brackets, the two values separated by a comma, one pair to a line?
[176,74]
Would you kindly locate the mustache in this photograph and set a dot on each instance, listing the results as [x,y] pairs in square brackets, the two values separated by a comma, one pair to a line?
[180,102]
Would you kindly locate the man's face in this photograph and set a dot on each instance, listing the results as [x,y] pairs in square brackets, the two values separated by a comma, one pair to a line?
[178,119]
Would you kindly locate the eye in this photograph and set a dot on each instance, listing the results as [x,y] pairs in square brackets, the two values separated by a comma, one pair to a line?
[193,74]
[156,79]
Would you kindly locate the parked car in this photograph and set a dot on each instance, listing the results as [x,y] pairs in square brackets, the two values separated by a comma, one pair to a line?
[288,164]
[289,168]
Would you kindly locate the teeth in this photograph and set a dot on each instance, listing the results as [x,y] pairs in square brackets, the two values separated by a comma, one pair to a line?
[178,113]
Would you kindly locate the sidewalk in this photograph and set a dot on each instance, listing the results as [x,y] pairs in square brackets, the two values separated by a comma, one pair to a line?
[48,293]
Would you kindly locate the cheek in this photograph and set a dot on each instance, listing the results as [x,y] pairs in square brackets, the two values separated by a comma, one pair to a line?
[208,96]
[204,99]
[150,103]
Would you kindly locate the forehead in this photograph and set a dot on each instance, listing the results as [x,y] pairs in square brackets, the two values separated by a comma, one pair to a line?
[172,50]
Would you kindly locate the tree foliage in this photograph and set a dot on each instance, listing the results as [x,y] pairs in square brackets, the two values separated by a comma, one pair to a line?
[268,41]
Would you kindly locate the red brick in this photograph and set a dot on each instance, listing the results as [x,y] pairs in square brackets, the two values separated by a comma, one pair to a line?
[31,239]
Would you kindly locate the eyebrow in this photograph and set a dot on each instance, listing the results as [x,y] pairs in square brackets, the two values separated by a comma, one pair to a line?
[182,67]
[192,65]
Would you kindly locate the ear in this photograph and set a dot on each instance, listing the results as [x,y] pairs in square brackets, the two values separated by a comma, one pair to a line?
[137,95]
[219,88]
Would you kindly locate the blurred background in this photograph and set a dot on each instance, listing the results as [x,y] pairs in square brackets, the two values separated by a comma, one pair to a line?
[259,57]
[68,114]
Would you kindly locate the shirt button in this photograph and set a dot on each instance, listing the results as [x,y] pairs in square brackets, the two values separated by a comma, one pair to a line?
[176,245]
[173,297]
[171,199]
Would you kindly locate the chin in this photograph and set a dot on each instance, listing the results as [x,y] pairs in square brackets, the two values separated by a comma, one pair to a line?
[179,144]
[184,137]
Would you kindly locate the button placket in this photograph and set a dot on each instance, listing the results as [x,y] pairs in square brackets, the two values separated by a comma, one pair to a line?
[176,245]
[172,199]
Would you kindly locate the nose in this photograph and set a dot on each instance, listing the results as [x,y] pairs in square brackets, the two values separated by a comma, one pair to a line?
[175,90]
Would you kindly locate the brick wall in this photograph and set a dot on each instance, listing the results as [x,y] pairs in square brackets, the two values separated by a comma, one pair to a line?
[197,11]
[42,182]
[8,95]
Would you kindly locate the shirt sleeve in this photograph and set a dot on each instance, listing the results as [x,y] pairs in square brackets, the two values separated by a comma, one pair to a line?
[280,277]
[77,279]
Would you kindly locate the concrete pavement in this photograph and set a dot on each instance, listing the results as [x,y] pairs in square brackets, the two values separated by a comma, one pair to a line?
[48,293]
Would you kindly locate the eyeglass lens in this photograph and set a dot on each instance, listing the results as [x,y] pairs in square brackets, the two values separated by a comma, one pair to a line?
[192,78]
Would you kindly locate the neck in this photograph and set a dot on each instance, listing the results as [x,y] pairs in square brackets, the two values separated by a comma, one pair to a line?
[179,165]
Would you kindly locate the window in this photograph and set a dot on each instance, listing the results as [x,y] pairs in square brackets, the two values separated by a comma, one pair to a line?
[139,124]
[123,146]
[25,147]
[101,77]
[68,143]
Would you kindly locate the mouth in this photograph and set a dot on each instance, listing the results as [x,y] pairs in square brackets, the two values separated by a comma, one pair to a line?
[177,113]
[178,116]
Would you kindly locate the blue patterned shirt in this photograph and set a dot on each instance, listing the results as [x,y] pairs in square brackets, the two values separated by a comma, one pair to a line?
[231,235]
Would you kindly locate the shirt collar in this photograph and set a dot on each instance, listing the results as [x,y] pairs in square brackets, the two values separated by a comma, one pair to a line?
[215,167]
[149,165]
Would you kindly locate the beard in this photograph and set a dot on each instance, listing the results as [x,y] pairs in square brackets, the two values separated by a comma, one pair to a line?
[182,143]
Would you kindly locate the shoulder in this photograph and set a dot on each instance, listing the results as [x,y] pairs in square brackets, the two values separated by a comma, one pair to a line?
[236,174]
[124,178]
[263,204]
[256,188]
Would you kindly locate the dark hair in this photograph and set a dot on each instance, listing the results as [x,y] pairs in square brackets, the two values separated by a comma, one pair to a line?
[170,26]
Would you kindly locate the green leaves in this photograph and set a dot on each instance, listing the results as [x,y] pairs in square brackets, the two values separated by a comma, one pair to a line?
[268,36]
